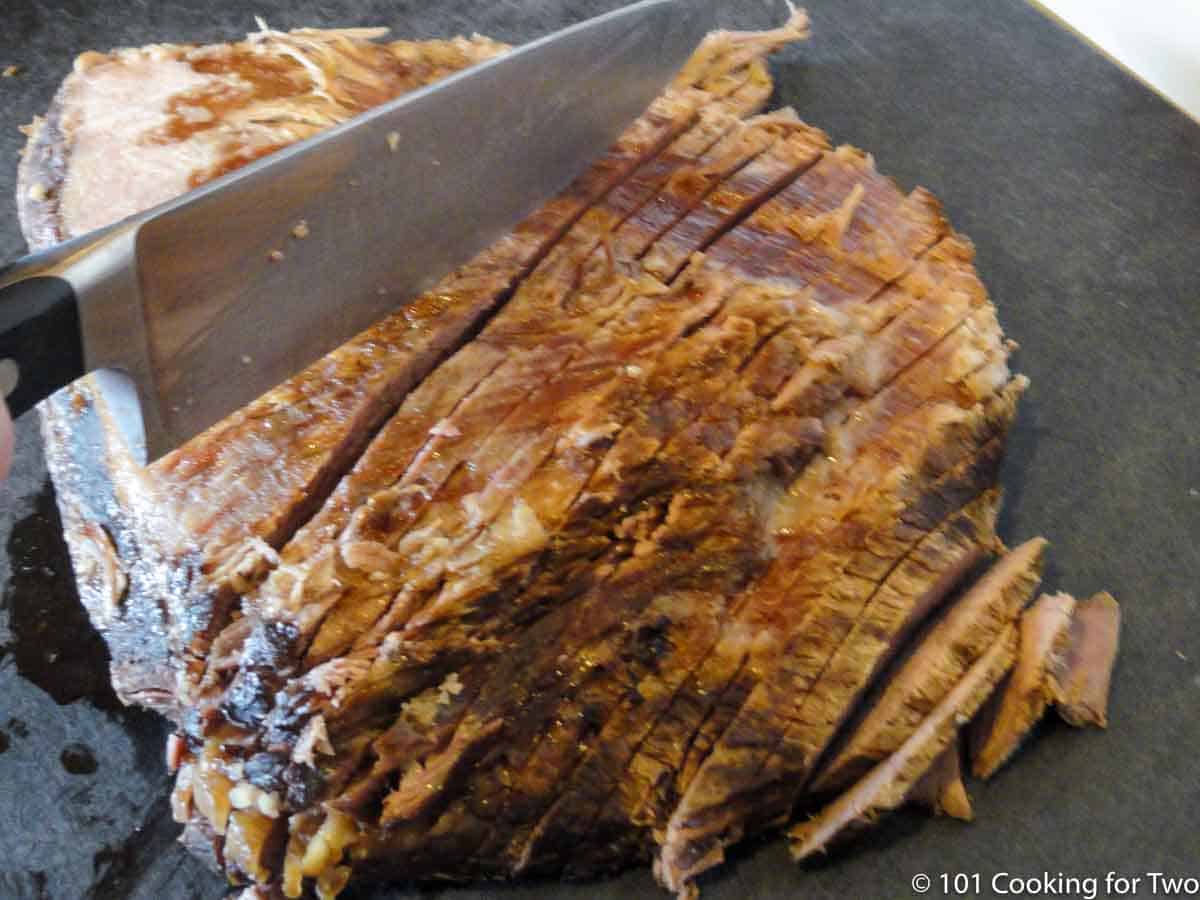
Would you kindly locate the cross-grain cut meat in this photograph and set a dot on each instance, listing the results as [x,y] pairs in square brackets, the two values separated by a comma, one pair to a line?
[1045,629]
[938,661]
[941,788]
[645,528]
[1066,657]
[1080,682]
[885,787]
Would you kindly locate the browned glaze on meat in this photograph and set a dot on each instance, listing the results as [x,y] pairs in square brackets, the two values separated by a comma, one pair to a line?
[650,523]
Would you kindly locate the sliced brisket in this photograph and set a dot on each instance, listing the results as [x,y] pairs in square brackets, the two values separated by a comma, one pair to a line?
[621,543]
[885,787]
[1080,682]
[814,603]
[941,789]
[939,660]
[1044,631]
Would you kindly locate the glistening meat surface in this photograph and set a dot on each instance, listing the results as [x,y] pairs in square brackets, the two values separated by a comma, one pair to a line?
[655,520]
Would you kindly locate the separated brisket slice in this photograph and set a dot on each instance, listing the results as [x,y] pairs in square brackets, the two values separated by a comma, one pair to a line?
[941,789]
[1066,657]
[1079,683]
[1045,629]
[626,540]
[887,785]
[938,661]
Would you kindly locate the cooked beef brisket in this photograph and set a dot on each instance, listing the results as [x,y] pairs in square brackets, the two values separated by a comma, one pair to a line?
[135,127]
[941,658]
[1066,657]
[1079,682]
[885,787]
[941,788]
[1045,629]
[618,544]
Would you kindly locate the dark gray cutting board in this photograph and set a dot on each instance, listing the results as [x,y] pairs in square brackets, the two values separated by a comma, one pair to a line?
[1081,190]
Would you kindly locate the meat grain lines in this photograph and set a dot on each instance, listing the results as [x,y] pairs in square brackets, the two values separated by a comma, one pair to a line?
[654,523]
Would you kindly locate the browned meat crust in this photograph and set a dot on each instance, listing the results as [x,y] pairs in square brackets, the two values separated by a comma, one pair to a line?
[612,546]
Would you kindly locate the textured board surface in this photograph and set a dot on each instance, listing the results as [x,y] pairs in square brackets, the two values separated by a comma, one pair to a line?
[1079,188]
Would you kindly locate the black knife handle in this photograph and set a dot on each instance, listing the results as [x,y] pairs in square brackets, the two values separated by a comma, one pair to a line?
[41,347]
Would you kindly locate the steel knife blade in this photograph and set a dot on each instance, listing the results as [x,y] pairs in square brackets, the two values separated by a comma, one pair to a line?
[191,304]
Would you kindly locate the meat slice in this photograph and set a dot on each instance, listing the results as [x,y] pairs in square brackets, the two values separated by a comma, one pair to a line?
[939,660]
[1079,683]
[884,788]
[1045,633]
[941,789]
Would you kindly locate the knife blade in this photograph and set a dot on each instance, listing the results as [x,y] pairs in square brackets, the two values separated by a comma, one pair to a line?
[188,300]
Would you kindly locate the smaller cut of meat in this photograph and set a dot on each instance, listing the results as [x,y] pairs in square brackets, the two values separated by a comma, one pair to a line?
[941,789]
[938,662]
[1045,635]
[1080,683]
[885,787]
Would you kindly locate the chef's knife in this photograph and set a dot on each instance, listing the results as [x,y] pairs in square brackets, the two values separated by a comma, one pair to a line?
[189,301]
